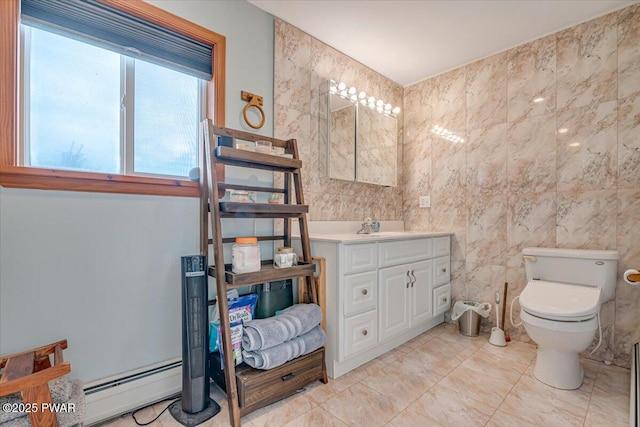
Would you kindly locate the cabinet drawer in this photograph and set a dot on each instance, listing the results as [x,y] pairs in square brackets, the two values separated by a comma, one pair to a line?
[258,388]
[405,251]
[359,258]
[360,293]
[442,245]
[360,332]
[441,270]
[441,299]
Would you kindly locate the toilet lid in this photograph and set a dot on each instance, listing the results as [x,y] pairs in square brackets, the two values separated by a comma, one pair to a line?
[560,301]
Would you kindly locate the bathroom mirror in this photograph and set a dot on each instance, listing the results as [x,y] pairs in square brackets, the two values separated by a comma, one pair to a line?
[357,140]
[376,138]
[341,138]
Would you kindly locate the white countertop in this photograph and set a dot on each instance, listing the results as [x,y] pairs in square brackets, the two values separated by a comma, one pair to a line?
[373,237]
[345,232]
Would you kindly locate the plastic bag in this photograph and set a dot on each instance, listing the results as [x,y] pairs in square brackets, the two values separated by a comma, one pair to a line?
[241,309]
[236,343]
[483,309]
[214,314]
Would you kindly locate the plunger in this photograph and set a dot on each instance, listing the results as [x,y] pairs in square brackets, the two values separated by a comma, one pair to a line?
[504,312]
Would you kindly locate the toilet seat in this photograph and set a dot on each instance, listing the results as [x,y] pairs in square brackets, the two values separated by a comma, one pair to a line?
[577,327]
[560,301]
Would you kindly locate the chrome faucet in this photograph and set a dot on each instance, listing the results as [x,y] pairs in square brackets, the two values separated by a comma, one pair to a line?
[367,227]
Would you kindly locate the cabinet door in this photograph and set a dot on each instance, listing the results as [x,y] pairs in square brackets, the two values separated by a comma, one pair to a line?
[393,303]
[421,288]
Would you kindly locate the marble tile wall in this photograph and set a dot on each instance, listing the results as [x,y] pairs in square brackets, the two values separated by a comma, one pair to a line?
[562,172]
[301,64]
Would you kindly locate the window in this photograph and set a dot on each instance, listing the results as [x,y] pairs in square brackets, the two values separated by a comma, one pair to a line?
[115,122]
[113,114]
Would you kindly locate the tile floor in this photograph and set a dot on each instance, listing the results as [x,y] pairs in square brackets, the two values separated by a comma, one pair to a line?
[440,379]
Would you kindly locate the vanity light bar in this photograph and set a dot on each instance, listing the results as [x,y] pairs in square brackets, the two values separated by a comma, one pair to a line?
[341,89]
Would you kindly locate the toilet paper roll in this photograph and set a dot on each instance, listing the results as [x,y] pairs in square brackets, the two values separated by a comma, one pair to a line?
[628,273]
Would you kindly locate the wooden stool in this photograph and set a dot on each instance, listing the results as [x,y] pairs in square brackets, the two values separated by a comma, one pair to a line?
[28,373]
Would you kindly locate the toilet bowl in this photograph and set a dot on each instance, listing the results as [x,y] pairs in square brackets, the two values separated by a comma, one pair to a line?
[560,308]
[562,320]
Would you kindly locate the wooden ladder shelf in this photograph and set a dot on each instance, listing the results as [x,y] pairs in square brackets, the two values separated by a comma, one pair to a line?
[257,388]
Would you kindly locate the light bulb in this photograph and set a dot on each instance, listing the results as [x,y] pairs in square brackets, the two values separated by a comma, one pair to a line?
[379,103]
[342,86]
[333,89]
[396,110]
[371,100]
[538,99]
[380,110]
[362,95]
[354,97]
[352,90]
[387,107]
[343,93]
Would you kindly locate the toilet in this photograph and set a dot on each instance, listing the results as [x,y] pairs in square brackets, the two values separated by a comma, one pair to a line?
[560,307]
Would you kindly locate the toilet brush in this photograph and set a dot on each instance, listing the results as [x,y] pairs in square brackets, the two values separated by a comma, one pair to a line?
[497,334]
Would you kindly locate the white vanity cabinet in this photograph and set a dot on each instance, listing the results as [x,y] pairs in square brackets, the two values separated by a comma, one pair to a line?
[381,291]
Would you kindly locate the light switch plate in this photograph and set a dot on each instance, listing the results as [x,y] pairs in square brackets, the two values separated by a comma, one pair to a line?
[425,201]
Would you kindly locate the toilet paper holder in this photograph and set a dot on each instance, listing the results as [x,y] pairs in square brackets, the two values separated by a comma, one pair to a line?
[632,277]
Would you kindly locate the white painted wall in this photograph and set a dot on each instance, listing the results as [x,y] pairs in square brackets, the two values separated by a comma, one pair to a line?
[249,33]
[103,270]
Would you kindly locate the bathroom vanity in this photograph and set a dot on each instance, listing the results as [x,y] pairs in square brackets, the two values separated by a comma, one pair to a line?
[382,289]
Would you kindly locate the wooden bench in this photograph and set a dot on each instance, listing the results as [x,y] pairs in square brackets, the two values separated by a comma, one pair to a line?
[28,373]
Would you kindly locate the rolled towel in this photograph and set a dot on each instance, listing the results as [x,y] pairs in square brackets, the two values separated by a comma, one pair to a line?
[260,334]
[282,353]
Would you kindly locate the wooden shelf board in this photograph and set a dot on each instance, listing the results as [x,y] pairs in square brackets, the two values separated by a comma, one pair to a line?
[260,239]
[266,210]
[250,159]
[227,186]
[266,274]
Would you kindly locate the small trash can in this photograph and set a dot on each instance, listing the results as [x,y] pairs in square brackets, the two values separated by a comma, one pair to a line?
[468,314]
[469,323]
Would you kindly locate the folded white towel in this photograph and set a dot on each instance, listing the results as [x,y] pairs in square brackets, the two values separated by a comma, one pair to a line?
[260,334]
[288,350]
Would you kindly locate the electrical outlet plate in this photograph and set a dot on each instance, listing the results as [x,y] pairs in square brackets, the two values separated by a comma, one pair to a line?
[425,201]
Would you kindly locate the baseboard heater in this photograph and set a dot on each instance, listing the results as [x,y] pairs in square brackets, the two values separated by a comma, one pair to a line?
[634,405]
[110,397]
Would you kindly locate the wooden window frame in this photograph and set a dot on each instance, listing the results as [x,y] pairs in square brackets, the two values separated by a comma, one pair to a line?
[14,176]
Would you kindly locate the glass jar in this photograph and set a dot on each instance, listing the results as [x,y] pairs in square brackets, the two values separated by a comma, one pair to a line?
[285,257]
[245,255]
[240,196]
[263,147]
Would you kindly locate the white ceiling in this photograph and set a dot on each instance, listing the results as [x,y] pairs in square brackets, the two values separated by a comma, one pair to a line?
[408,41]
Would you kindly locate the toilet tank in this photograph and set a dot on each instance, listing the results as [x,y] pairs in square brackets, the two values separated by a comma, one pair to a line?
[598,268]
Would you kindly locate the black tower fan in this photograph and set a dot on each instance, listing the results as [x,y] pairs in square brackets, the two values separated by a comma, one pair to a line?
[195,406]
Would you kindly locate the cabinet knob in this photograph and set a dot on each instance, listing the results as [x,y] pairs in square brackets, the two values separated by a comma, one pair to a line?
[364,332]
[444,269]
[444,299]
[364,292]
